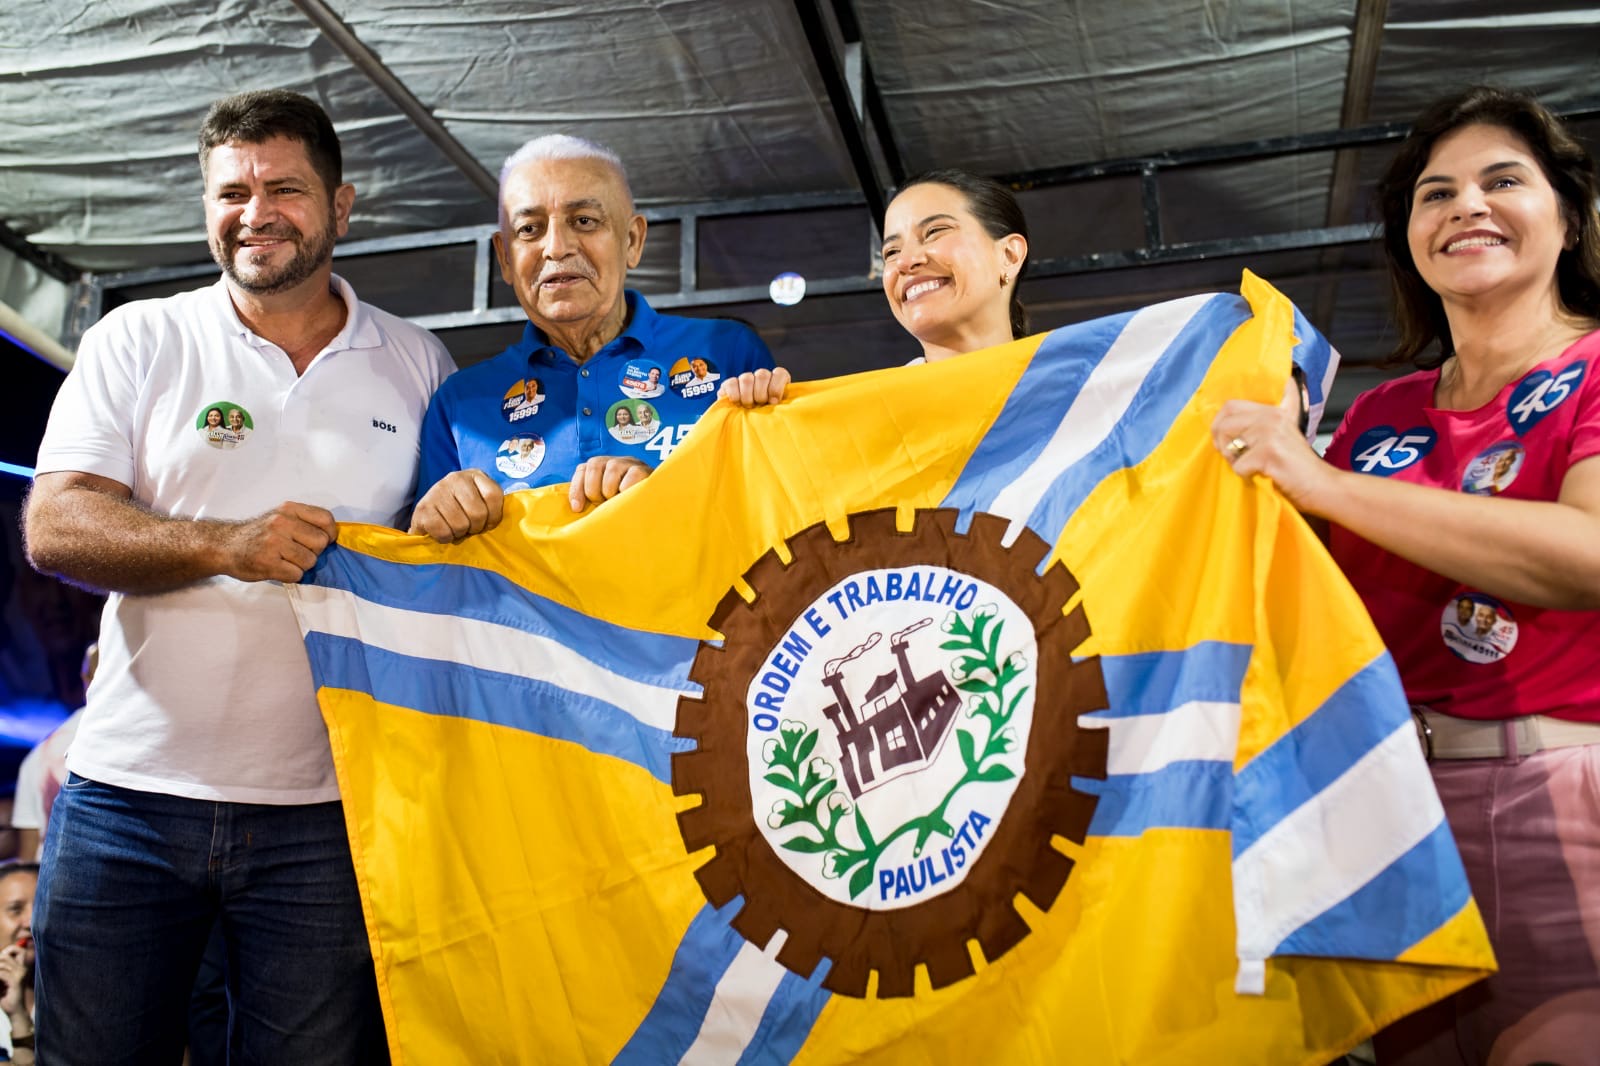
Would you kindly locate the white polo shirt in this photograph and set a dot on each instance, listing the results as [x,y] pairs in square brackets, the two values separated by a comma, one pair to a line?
[206,692]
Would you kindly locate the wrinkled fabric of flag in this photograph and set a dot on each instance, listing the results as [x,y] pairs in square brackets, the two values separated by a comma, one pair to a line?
[553,855]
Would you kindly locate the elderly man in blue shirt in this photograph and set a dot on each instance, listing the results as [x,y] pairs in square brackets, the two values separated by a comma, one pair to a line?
[543,411]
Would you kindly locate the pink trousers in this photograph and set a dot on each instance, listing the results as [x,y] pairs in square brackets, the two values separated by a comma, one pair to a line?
[1529,834]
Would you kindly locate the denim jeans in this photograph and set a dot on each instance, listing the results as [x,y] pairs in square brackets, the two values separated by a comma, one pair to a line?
[132,885]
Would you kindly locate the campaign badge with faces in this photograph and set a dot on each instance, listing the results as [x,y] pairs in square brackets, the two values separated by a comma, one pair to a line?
[522,400]
[632,421]
[695,376]
[642,379]
[1478,628]
[1493,470]
[224,425]
[519,457]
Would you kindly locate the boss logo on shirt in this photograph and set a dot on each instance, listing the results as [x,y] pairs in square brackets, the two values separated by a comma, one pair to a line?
[1540,393]
[1384,450]
[378,423]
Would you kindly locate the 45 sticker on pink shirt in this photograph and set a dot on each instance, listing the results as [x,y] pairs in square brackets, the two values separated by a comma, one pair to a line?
[1540,393]
[1384,450]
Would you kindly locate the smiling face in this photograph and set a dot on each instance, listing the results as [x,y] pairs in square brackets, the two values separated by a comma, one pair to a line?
[16,909]
[1485,221]
[271,223]
[942,271]
[235,419]
[571,239]
[214,418]
[623,417]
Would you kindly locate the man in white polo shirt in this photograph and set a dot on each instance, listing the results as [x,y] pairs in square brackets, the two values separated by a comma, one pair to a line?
[201,785]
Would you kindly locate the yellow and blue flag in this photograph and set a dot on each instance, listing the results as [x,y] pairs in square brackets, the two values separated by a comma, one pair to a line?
[973,711]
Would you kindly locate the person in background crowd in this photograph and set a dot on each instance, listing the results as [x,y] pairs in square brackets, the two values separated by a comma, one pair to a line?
[43,770]
[19,881]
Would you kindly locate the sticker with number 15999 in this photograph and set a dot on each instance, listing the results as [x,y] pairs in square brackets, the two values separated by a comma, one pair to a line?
[1384,450]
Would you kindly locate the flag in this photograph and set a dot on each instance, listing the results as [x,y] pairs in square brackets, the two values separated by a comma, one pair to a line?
[971,711]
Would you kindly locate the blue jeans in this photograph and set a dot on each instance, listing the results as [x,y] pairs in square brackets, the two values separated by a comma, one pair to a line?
[132,885]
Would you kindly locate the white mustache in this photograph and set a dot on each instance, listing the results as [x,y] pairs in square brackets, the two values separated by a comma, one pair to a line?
[569,269]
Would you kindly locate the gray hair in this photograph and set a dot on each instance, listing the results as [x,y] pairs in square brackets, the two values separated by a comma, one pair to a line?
[560,146]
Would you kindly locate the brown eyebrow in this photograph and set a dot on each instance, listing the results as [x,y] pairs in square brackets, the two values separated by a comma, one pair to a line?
[1492,168]
[920,224]
[270,183]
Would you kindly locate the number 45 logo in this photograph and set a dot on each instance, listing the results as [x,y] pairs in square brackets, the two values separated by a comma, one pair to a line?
[1540,393]
[668,438]
[1383,450]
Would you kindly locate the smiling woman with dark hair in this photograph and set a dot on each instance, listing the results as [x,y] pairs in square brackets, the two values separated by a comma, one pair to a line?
[954,249]
[1475,483]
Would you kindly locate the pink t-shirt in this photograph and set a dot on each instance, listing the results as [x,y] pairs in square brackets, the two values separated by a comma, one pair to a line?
[1460,650]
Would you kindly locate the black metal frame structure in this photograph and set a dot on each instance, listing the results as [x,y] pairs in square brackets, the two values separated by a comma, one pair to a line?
[831,30]
[476,309]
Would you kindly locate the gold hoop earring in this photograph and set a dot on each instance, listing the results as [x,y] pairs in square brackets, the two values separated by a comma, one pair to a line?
[1005,279]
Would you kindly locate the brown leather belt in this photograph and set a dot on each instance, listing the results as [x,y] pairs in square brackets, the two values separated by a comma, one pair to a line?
[1445,737]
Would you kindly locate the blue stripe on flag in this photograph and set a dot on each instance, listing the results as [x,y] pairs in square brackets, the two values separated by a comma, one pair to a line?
[1165,391]
[1182,795]
[1312,353]
[435,686]
[468,592]
[1387,915]
[1052,380]
[673,1022]
[789,1018]
[1159,681]
[1364,711]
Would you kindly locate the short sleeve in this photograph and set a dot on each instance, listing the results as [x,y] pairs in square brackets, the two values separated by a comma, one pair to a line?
[1584,442]
[90,426]
[440,456]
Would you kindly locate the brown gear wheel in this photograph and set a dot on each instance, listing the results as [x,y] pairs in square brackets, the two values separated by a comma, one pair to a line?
[1019,856]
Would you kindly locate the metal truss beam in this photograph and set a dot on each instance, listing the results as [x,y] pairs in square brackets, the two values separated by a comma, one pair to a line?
[366,61]
[1366,39]
[28,252]
[830,64]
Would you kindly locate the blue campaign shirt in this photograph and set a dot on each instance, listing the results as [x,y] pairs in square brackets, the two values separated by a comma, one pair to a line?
[530,415]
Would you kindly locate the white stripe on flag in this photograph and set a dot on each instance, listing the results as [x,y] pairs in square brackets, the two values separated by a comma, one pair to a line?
[1145,743]
[485,645]
[1100,405]
[1334,843]
[738,1003]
